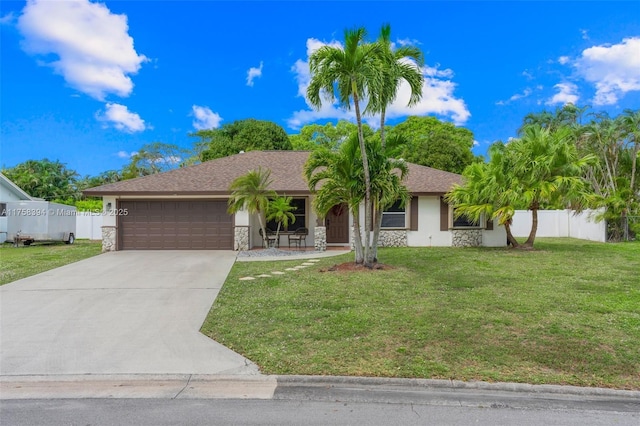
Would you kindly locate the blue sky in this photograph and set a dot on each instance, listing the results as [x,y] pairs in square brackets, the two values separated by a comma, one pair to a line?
[88,83]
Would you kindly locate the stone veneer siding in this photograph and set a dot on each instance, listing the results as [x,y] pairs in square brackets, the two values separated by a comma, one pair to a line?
[108,238]
[392,238]
[466,237]
[320,238]
[241,238]
[387,238]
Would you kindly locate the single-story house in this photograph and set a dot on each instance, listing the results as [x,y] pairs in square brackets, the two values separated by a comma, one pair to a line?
[9,192]
[186,208]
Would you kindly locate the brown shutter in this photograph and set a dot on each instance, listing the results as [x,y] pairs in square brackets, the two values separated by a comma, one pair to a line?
[413,214]
[444,215]
[489,225]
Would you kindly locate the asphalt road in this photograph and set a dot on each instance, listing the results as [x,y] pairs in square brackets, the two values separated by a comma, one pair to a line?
[159,412]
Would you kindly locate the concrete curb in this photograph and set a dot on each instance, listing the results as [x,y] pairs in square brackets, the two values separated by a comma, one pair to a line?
[171,386]
[456,384]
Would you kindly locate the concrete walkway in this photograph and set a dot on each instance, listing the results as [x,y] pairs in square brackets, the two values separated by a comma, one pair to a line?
[130,312]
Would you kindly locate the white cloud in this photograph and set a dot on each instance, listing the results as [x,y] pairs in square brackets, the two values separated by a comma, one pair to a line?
[585,34]
[95,53]
[205,118]
[125,154]
[517,96]
[613,69]
[254,73]
[567,94]
[408,42]
[122,118]
[526,74]
[7,19]
[437,96]
[563,60]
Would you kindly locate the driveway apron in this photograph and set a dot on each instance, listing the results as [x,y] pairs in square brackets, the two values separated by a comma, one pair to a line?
[128,312]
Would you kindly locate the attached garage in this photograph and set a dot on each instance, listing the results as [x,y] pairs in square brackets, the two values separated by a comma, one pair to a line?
[174,225]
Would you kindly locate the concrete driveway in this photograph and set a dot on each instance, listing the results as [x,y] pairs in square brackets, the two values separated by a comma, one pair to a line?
[131,312]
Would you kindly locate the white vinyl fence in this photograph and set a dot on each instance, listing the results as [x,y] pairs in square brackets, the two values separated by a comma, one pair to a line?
[561,223]
[89,225]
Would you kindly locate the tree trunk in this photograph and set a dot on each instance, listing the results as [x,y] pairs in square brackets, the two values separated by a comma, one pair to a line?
[378,223]
[357,243]
[265,240]
[534,227]
[376,235]
[510,238]
[367,180]
[382,135]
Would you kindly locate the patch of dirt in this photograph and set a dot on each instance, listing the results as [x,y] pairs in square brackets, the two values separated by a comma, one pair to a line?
[352,266]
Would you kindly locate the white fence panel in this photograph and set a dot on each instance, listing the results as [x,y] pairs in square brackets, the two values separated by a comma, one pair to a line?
[560,223]
[89,225]
[585,227]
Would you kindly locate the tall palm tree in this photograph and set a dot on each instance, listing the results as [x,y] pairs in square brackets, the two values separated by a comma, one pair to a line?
[396,65]
[252,192]
[337,177]
[348,73]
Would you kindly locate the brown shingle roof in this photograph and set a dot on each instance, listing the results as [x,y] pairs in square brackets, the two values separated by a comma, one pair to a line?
[214,177]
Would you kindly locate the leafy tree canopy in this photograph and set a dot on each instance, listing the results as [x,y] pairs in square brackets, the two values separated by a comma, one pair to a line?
[431,142]
[50,180]
[329,135]
[242,135]
[155,157]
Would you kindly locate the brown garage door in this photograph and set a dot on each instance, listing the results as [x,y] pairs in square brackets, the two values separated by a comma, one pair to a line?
[175,225]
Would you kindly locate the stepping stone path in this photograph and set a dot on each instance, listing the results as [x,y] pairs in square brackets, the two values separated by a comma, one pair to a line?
[307,263]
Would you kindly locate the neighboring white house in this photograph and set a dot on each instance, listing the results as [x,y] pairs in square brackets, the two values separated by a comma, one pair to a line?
[9,192]
[186,208]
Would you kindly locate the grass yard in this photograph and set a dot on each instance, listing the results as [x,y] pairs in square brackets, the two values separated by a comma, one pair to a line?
[566,313]
[23,261]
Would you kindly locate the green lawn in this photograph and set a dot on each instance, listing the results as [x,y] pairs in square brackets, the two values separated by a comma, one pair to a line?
[566,313]
[23,261]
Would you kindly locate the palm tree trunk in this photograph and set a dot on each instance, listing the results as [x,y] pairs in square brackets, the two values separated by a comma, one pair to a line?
[357,242]
[265,240]
[534,227]
[378,212]
[510,238]
[367,181]
[383,138]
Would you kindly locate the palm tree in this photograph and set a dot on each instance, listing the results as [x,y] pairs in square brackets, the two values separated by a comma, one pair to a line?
[350,73]
[489,190]
[336,177]
[280,209]
[630,123]
[396,65]
[386,187]
[252,192]
[549,171]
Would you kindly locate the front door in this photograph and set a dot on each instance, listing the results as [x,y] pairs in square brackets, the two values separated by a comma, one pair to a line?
[338,225]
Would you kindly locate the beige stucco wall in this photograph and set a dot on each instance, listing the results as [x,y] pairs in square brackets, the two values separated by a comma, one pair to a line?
[428,233]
